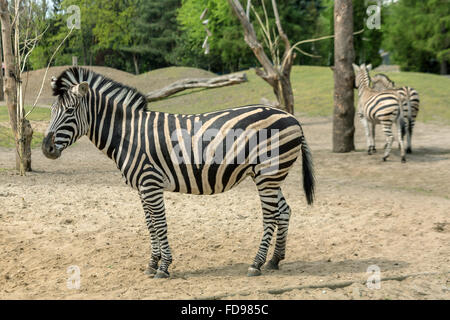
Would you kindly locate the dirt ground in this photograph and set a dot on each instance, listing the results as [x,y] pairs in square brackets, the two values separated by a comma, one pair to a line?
[76,211]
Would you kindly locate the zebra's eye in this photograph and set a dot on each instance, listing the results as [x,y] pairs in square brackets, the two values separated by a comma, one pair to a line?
[70,110]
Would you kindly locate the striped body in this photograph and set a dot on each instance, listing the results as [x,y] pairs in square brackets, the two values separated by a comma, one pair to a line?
[378,107]
[411,102]
[197,154]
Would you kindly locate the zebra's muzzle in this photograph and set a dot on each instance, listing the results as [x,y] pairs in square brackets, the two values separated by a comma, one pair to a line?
[48,147]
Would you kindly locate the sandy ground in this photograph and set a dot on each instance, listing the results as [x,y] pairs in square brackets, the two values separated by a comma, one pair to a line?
[76,211]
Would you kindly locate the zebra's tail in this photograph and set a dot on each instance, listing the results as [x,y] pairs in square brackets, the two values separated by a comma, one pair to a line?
[308,172]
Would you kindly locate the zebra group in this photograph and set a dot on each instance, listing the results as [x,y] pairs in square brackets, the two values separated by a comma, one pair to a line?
[197,154]
[384,104]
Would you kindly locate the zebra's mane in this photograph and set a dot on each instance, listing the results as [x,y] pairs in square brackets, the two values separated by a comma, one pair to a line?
[75,75]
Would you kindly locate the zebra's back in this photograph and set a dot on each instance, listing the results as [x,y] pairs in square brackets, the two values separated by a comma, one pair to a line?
[212,152]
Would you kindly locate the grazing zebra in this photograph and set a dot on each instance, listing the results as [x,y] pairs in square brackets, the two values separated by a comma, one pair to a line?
[378,107]
[410,106]
[197,154]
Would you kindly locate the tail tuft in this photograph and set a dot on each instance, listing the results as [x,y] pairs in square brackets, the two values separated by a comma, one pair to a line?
[309,180]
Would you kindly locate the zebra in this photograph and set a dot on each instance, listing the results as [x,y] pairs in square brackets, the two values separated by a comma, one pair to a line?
[142,143]
[378,107]
[410,108]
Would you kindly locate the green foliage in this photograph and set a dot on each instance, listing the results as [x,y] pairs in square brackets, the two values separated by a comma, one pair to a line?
[418,34]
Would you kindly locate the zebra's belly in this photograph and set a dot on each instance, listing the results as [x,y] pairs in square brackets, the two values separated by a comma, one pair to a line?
[207,179]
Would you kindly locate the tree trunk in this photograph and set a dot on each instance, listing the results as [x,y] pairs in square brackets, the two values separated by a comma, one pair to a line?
[2,93]
[23,140]
[444,67]
[136,64]
[344,78]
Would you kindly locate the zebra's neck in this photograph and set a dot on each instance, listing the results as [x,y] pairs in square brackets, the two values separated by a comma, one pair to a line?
[114,117]
[363,83]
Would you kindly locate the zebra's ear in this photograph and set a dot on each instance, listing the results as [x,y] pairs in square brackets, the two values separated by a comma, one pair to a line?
[81,89]
[53,82]
[369,67]
[355,68]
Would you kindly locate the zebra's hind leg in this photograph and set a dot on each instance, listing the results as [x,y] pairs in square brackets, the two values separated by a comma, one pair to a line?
[367,132]
[400,139]
[372,137]
[387,128]
[269,203]
[153,202]
[282,231]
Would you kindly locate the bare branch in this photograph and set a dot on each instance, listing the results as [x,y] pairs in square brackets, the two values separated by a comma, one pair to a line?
[185,84]
[46,70]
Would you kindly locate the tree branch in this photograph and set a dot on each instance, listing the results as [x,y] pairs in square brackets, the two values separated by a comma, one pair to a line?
[222,81]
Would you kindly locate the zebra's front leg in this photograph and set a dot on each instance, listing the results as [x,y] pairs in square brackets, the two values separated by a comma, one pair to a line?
[269,204]
[153,201]
[154,242]
[152,267]
[282,232]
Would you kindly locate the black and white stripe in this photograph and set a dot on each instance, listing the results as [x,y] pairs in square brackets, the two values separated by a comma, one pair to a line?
[411,103]
[375,107]
[143,143]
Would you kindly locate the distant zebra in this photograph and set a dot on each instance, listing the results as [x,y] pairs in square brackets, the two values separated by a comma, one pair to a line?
[410,106]
[378,107]
[158,152]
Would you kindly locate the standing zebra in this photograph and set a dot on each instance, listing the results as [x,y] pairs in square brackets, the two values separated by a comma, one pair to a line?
[378,107]
[159,152]
[410,106]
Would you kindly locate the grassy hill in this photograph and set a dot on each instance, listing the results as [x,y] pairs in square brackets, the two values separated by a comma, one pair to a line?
[313,94]
[312,86]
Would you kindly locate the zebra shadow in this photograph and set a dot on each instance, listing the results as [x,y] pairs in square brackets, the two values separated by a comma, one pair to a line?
[305,268]
[428,154]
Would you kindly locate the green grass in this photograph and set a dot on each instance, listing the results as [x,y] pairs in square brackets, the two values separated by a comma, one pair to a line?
[38,114]
[312,87]
[6,136]
[313,94]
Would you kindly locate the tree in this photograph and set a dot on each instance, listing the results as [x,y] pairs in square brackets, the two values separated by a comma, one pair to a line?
[155,31]
[344,110]
[277,70]
[419,35]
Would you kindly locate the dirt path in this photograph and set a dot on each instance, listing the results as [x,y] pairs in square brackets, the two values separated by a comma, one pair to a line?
[77,211]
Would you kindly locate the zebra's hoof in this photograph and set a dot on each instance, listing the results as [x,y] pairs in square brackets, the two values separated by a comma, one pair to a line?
[272,265]
[161,275]
[374,150]
[385,158]
[403,160]
[150,271]
[408,150]
[253,272]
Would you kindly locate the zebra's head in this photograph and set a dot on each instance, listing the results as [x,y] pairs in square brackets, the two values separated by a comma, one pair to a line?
[381,82]
[69,116]
[362,75]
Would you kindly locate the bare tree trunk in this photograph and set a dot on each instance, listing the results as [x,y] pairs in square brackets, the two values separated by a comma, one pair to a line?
[344,110]
[21,129]
[136,64]
[444,67]
[2,92]
[10,82]
[277,76]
